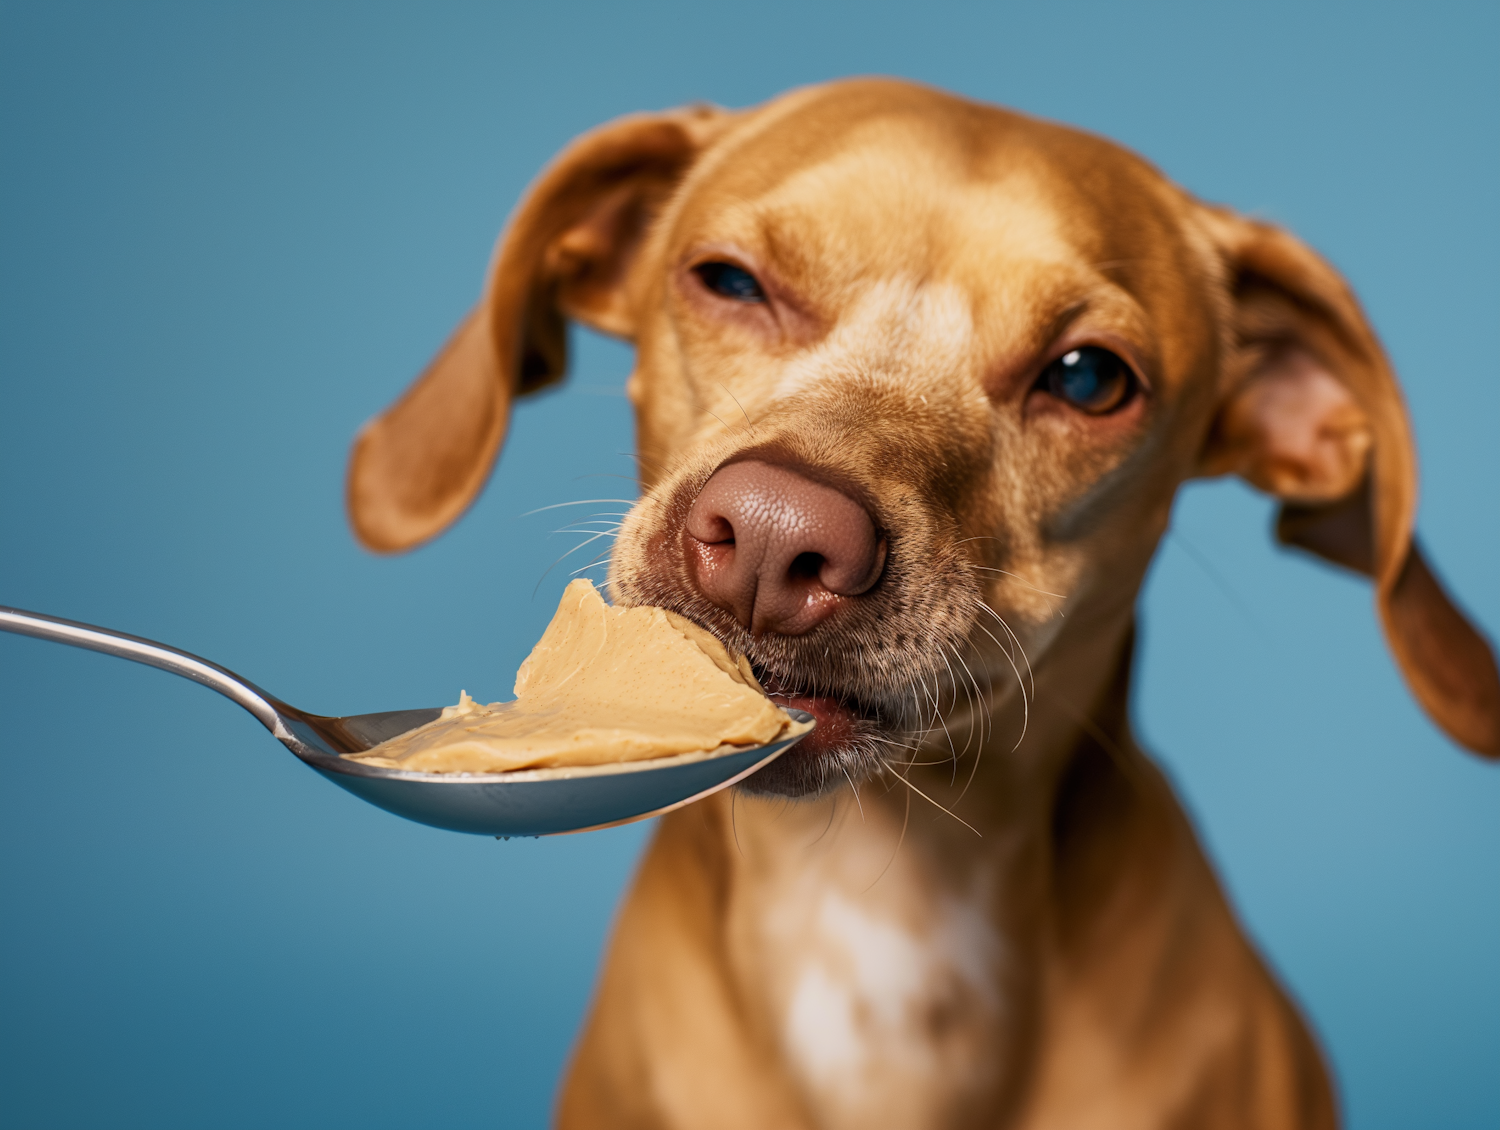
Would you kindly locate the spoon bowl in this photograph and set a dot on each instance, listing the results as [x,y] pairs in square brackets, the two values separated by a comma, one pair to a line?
[529,802]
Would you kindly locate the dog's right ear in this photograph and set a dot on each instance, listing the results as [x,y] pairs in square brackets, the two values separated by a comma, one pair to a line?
[565,254]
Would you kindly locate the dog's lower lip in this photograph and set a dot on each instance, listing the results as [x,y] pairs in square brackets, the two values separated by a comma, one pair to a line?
[838,722]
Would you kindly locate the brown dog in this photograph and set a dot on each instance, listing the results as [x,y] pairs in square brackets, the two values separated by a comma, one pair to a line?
[917,381]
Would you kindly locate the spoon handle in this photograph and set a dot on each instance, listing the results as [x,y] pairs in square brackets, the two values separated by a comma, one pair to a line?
[153,654]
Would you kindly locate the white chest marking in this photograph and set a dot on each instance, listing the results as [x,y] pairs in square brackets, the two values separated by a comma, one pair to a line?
[881,1020]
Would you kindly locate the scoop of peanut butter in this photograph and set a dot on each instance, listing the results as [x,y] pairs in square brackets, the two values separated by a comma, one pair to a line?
[602,685]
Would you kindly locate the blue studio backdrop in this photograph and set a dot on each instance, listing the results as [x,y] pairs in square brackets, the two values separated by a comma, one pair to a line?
[230,233]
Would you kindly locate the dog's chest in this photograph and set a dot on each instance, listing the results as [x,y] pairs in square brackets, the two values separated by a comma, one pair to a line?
[885,1001]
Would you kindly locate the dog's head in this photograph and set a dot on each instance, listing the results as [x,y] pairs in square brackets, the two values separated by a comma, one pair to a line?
[914,375]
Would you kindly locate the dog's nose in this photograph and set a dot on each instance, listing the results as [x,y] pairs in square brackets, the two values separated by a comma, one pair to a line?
[777,549]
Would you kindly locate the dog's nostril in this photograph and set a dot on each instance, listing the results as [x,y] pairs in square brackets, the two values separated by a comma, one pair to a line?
[806,566]
[710,527]
[777,549]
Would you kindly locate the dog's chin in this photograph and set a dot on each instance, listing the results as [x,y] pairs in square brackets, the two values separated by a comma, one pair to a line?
[843,748]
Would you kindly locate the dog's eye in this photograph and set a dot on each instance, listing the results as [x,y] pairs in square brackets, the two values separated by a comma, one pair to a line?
[1091,379]
[730,281]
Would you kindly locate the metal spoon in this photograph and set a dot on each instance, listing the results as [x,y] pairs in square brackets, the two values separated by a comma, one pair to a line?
[531,802]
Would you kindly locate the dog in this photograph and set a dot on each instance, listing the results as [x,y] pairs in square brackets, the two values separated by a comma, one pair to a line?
[917,380]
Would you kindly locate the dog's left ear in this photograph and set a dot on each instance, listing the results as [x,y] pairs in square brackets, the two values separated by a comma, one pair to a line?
[566,254]
[1311,413]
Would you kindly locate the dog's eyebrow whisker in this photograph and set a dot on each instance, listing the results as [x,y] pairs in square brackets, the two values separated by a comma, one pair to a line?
[716,416]
[929,800]
[738,405]
[640,460]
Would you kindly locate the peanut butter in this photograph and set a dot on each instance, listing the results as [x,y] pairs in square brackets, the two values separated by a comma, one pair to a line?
[602,685]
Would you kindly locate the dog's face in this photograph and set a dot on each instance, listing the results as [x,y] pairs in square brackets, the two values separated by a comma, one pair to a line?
[917,380]
[1008,368]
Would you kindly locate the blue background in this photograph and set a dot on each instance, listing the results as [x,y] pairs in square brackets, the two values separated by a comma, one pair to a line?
[230,234]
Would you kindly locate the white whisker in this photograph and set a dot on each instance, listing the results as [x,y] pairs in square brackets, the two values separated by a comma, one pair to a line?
[901,839]
[580,502]
[1017,640]
[559,561]
[855,791]
[930,801]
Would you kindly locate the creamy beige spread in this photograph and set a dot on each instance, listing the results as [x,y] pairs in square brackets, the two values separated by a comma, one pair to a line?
[602,685]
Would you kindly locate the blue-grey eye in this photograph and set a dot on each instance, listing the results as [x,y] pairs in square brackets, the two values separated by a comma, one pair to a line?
[1091,379]
[730,281]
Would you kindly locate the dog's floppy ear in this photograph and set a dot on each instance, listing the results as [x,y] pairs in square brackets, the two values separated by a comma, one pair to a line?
[565,254]
[1311,413]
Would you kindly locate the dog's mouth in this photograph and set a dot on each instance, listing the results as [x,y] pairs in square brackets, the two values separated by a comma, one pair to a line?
[839,719]
[845,745]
